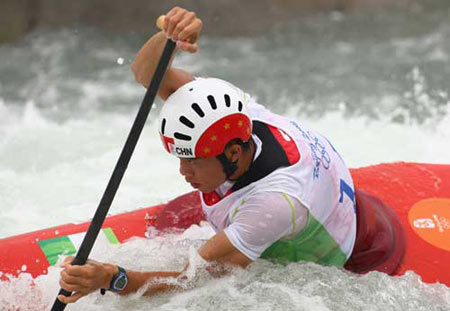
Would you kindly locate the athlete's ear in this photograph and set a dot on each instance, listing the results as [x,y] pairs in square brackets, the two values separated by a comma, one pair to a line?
[233,152]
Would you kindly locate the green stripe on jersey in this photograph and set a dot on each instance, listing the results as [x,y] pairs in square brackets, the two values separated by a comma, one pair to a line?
[313,243]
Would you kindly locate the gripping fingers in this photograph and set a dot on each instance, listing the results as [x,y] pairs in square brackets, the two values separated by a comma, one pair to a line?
[81,283]
[187,47]
[173,21]
[68,260]
[180,24]
[191,31]
[169,15]
[75,297]
[74,285]
[68,287]
[188,18]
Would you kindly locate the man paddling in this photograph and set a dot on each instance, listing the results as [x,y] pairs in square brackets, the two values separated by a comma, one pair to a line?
[270,187]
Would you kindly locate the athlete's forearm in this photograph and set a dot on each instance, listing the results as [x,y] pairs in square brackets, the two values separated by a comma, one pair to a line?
[154,280]
[147,58]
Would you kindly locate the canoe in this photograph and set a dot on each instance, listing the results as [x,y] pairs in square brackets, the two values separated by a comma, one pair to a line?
[417,194]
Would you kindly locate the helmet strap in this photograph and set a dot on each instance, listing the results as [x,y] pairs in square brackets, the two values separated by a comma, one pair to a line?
[229,168]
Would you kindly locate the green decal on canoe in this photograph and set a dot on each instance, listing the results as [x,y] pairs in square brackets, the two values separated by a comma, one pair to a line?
[55,247]
[67,245]
[111,236]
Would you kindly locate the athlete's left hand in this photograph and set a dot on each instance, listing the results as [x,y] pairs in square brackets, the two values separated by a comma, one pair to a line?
[85,279]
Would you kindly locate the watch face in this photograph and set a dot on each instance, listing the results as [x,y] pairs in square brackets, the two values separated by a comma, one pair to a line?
[121,282]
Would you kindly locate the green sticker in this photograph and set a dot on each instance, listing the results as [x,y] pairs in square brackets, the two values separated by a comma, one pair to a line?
[111,236]
[67,245]
[55,247]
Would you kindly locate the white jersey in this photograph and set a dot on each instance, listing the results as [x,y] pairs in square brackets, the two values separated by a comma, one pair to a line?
[301,210]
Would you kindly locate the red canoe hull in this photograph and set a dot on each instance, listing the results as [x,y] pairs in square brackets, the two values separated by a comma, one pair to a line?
[402,186]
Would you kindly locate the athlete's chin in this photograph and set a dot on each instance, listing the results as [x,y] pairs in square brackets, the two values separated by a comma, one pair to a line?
[197,186]
[202,188]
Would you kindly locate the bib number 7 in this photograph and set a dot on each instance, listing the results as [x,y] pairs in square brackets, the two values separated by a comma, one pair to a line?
[347,190]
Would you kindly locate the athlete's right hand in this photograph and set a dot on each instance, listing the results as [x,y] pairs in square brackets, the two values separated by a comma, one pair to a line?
[183,27]
[85,279]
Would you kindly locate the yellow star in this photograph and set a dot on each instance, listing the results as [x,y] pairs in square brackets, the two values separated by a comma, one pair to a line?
[226,126]
[206,150]
[214,137]
[240,123]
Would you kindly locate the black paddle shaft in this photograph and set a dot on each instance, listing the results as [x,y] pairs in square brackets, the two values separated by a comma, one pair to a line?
[121,166]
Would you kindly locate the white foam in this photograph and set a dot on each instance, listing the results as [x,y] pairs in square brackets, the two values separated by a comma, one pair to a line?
[57,172]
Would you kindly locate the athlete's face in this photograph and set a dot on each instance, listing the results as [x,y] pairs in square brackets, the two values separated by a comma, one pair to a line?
[204,174]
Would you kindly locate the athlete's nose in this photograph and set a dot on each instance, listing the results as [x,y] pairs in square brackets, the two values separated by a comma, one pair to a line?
[185,168]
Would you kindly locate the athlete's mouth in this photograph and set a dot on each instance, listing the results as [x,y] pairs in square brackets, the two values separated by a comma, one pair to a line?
[195,185]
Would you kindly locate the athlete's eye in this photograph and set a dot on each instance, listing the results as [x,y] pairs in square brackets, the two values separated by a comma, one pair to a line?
[192,161]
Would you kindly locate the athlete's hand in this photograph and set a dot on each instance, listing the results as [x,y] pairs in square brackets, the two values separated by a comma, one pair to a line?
[83,280]
[183,27]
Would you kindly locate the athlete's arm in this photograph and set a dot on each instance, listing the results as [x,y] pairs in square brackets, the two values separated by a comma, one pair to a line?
[219,250]
[181,26]
[83,280]
[90,277]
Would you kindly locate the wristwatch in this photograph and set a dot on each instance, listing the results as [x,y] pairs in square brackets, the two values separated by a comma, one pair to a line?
[118,282]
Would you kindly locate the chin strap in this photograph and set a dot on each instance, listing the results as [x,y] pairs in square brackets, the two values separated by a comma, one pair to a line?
[229,168]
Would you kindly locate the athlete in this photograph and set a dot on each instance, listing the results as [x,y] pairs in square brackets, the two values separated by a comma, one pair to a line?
[270,187]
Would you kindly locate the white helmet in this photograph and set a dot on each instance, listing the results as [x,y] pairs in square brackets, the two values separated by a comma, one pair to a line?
[202,116]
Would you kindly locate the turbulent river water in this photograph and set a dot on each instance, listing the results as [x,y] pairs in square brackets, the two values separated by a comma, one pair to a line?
[376,83]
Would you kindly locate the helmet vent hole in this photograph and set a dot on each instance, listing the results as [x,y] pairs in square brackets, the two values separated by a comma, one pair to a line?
[212,102]
[163,125]
[191,89]
[240,106]
[198,110]
[187,122]
[182,136]
[227,100]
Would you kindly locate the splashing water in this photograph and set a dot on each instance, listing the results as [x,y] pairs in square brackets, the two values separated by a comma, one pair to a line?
[263,286]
